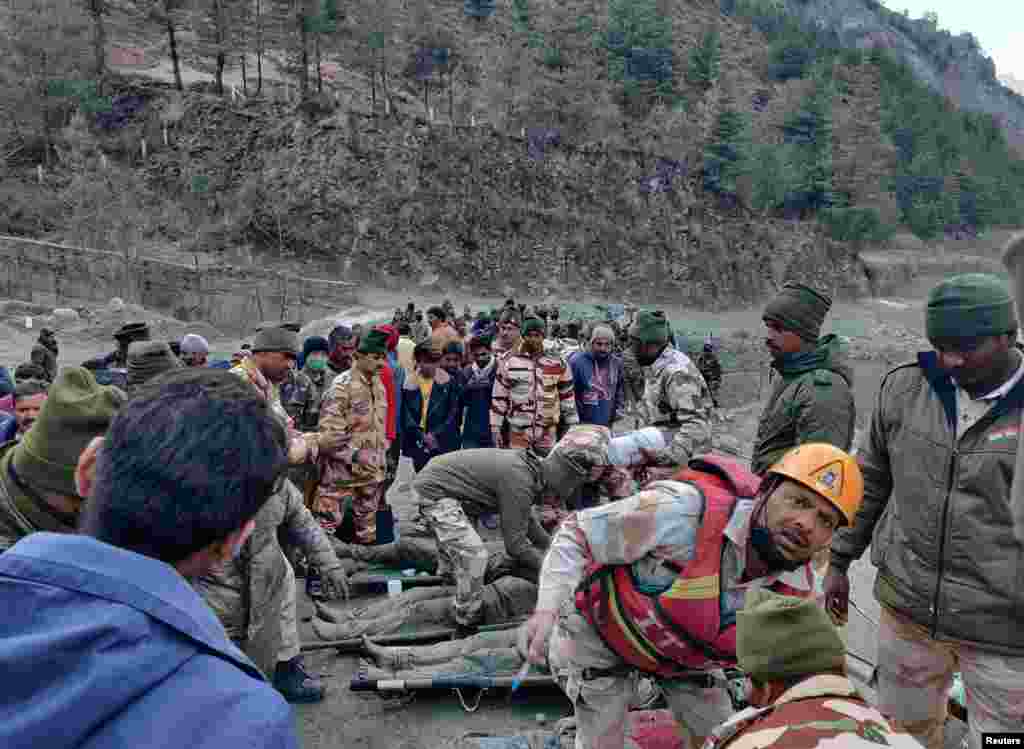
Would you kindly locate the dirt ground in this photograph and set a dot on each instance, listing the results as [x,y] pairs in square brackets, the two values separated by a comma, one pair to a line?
[882,332]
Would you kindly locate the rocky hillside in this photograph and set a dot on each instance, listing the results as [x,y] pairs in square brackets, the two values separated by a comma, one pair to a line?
[577,147]
[954,66]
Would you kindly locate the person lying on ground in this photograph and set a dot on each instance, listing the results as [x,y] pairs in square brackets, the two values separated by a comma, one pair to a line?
[505,599]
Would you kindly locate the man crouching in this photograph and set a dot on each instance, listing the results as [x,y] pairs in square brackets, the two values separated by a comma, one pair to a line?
[651,584]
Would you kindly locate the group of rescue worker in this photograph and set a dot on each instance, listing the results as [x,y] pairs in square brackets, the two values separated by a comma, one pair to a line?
[141,506]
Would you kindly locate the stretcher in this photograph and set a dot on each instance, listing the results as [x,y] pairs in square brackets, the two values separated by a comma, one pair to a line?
[405,636]
[376,578]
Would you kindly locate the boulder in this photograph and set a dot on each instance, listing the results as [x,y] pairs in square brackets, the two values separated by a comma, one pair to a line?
[65,316]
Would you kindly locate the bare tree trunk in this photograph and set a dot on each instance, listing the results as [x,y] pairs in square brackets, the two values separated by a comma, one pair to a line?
[303,41]
[259,48]
[96,9]
[245,83]
[45,110]
[218,21]
[373,90]
[319,75]
[171,38]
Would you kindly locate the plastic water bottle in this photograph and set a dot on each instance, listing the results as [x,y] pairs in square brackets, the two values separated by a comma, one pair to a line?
[394,588]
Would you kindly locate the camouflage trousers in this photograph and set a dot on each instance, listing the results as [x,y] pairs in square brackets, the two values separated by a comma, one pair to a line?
[540,440]
[461,552]
[915,673]
[601,701]
[328,508]
[235,617]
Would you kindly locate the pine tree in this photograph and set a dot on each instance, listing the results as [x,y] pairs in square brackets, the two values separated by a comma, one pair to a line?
[705,61]
[725,157]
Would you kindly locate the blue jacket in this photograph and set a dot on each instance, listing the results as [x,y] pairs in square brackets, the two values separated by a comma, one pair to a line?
[6,383]
[476,406]
[102,648]
[442,417]
[597,405]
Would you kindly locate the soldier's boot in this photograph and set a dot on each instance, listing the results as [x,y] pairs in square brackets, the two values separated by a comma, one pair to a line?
[292,681]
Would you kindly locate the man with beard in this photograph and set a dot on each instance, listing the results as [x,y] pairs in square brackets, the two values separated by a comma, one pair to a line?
[598,380]
[651,584]
[533,401]
[811,400]
[29,397]
[453,358]
[939,461]
[342,345]
[429,409]
[194,350]
[476,395]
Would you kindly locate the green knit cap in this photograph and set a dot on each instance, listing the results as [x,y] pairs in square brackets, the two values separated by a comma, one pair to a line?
[778,637]
[374,342]
[650,327]
[532,323]
[969,305]
[76,410]
[800,309]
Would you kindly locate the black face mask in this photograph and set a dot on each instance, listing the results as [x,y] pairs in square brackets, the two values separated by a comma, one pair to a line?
[764,545]
[646,361]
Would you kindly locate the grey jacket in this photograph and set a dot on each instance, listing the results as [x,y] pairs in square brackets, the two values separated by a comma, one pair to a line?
[937,513]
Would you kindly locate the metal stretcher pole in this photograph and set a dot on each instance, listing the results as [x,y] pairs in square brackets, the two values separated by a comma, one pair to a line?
[355,644]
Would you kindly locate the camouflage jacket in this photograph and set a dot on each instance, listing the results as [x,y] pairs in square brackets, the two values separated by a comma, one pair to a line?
[301,395]
[533,394]
[353,417]
[821,711]
[677,400]
[239,591]
[21,514]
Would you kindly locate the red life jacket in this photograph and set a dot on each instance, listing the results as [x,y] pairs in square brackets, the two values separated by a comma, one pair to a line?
[680,630]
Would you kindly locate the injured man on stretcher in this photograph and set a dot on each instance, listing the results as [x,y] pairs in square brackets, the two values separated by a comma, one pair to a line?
[510,593]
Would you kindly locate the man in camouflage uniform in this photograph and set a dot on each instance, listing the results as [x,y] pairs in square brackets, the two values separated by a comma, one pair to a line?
[353,424]
[254,594]
[800,696]
[534,399]
[509,333]
[675,398]
[632,371]
[711,370]
[468,483]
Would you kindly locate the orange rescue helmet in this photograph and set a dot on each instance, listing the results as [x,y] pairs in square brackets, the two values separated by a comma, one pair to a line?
[828,471]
